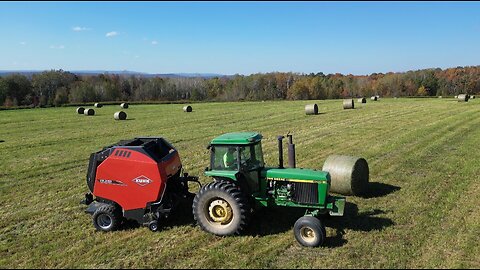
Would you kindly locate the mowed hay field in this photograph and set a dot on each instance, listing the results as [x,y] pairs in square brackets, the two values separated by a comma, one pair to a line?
[422,209]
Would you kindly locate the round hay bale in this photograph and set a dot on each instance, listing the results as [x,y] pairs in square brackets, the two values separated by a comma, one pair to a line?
[89,112]
[362,100]
[472,97]
[348,104]
[311,109]
[187,108]
[456,97]
[440,97]
[463,98]
[349,175]
[120,115]
[98,105]
[374,98]
[124,105]
[80,110]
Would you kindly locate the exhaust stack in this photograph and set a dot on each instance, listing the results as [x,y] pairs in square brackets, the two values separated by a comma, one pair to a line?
[280,151]
[291,152]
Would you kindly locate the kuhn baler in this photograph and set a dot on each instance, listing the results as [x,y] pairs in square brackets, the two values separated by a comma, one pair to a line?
[137,179]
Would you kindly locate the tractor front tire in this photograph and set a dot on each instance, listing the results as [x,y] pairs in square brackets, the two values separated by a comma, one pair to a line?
[106,218]
[309,231]
[221,208]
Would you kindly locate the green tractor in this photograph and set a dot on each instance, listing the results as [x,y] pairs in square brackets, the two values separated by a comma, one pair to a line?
[242,184]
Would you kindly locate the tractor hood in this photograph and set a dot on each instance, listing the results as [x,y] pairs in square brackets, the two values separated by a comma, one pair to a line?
[296,174]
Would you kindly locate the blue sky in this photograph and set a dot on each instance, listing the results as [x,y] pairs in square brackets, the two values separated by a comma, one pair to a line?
[239,37]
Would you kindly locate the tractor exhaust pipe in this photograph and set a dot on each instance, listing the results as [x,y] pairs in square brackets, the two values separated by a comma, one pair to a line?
[291,152]
[280,151]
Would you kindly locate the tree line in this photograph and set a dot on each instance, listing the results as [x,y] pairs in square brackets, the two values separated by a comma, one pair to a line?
[58,87]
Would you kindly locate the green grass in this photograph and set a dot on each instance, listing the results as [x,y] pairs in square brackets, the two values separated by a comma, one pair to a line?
[423,210]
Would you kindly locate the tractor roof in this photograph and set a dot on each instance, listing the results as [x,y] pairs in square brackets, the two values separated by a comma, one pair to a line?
[238,138]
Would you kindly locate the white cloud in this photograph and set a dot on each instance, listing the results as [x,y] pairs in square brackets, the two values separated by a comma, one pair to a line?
[111,34]
[60,47]
[23,43]
[79,28]
[154,42]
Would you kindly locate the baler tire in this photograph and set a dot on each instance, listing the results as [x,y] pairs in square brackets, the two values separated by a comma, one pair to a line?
[309,231]
[231,195]
[153,226]
[109,216]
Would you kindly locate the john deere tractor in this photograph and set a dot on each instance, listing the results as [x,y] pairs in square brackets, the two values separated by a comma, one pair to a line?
[242,183]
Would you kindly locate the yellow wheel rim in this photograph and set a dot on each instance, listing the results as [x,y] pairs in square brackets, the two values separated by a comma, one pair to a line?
[307,234]
[220,211]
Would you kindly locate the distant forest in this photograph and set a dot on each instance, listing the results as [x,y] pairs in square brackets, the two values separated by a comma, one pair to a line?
[58,87]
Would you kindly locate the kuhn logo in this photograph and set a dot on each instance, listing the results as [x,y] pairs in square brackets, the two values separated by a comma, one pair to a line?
[142,181]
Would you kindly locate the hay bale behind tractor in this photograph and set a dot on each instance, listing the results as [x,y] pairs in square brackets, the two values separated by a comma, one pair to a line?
[124,105]
[463,98]
[89,112]
[120,115]
[311,109]
[349,175]
[187,108]
[362,100]
[374,98]
[80,110]
[472,97]
[348,104]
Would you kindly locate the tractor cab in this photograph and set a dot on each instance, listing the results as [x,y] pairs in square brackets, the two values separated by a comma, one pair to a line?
[237,156]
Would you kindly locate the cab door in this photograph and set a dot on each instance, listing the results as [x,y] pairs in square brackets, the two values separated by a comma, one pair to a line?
[251,166]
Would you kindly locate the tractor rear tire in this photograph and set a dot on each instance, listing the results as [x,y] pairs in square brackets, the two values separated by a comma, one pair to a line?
[309,231]
[106,218]
[221,208]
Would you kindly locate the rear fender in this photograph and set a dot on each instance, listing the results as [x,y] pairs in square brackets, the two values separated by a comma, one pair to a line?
[232,175]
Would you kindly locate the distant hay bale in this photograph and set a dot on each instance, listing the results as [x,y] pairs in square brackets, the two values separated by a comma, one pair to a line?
[98,105]
[374,98]
[362,100]
[80,110]
[311,109]
[120,115]
[472,97]
[348,104]
[349,175]
[463,98]
[124,105]
[456,97]
[440,97]
[187,108]
[89,112]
